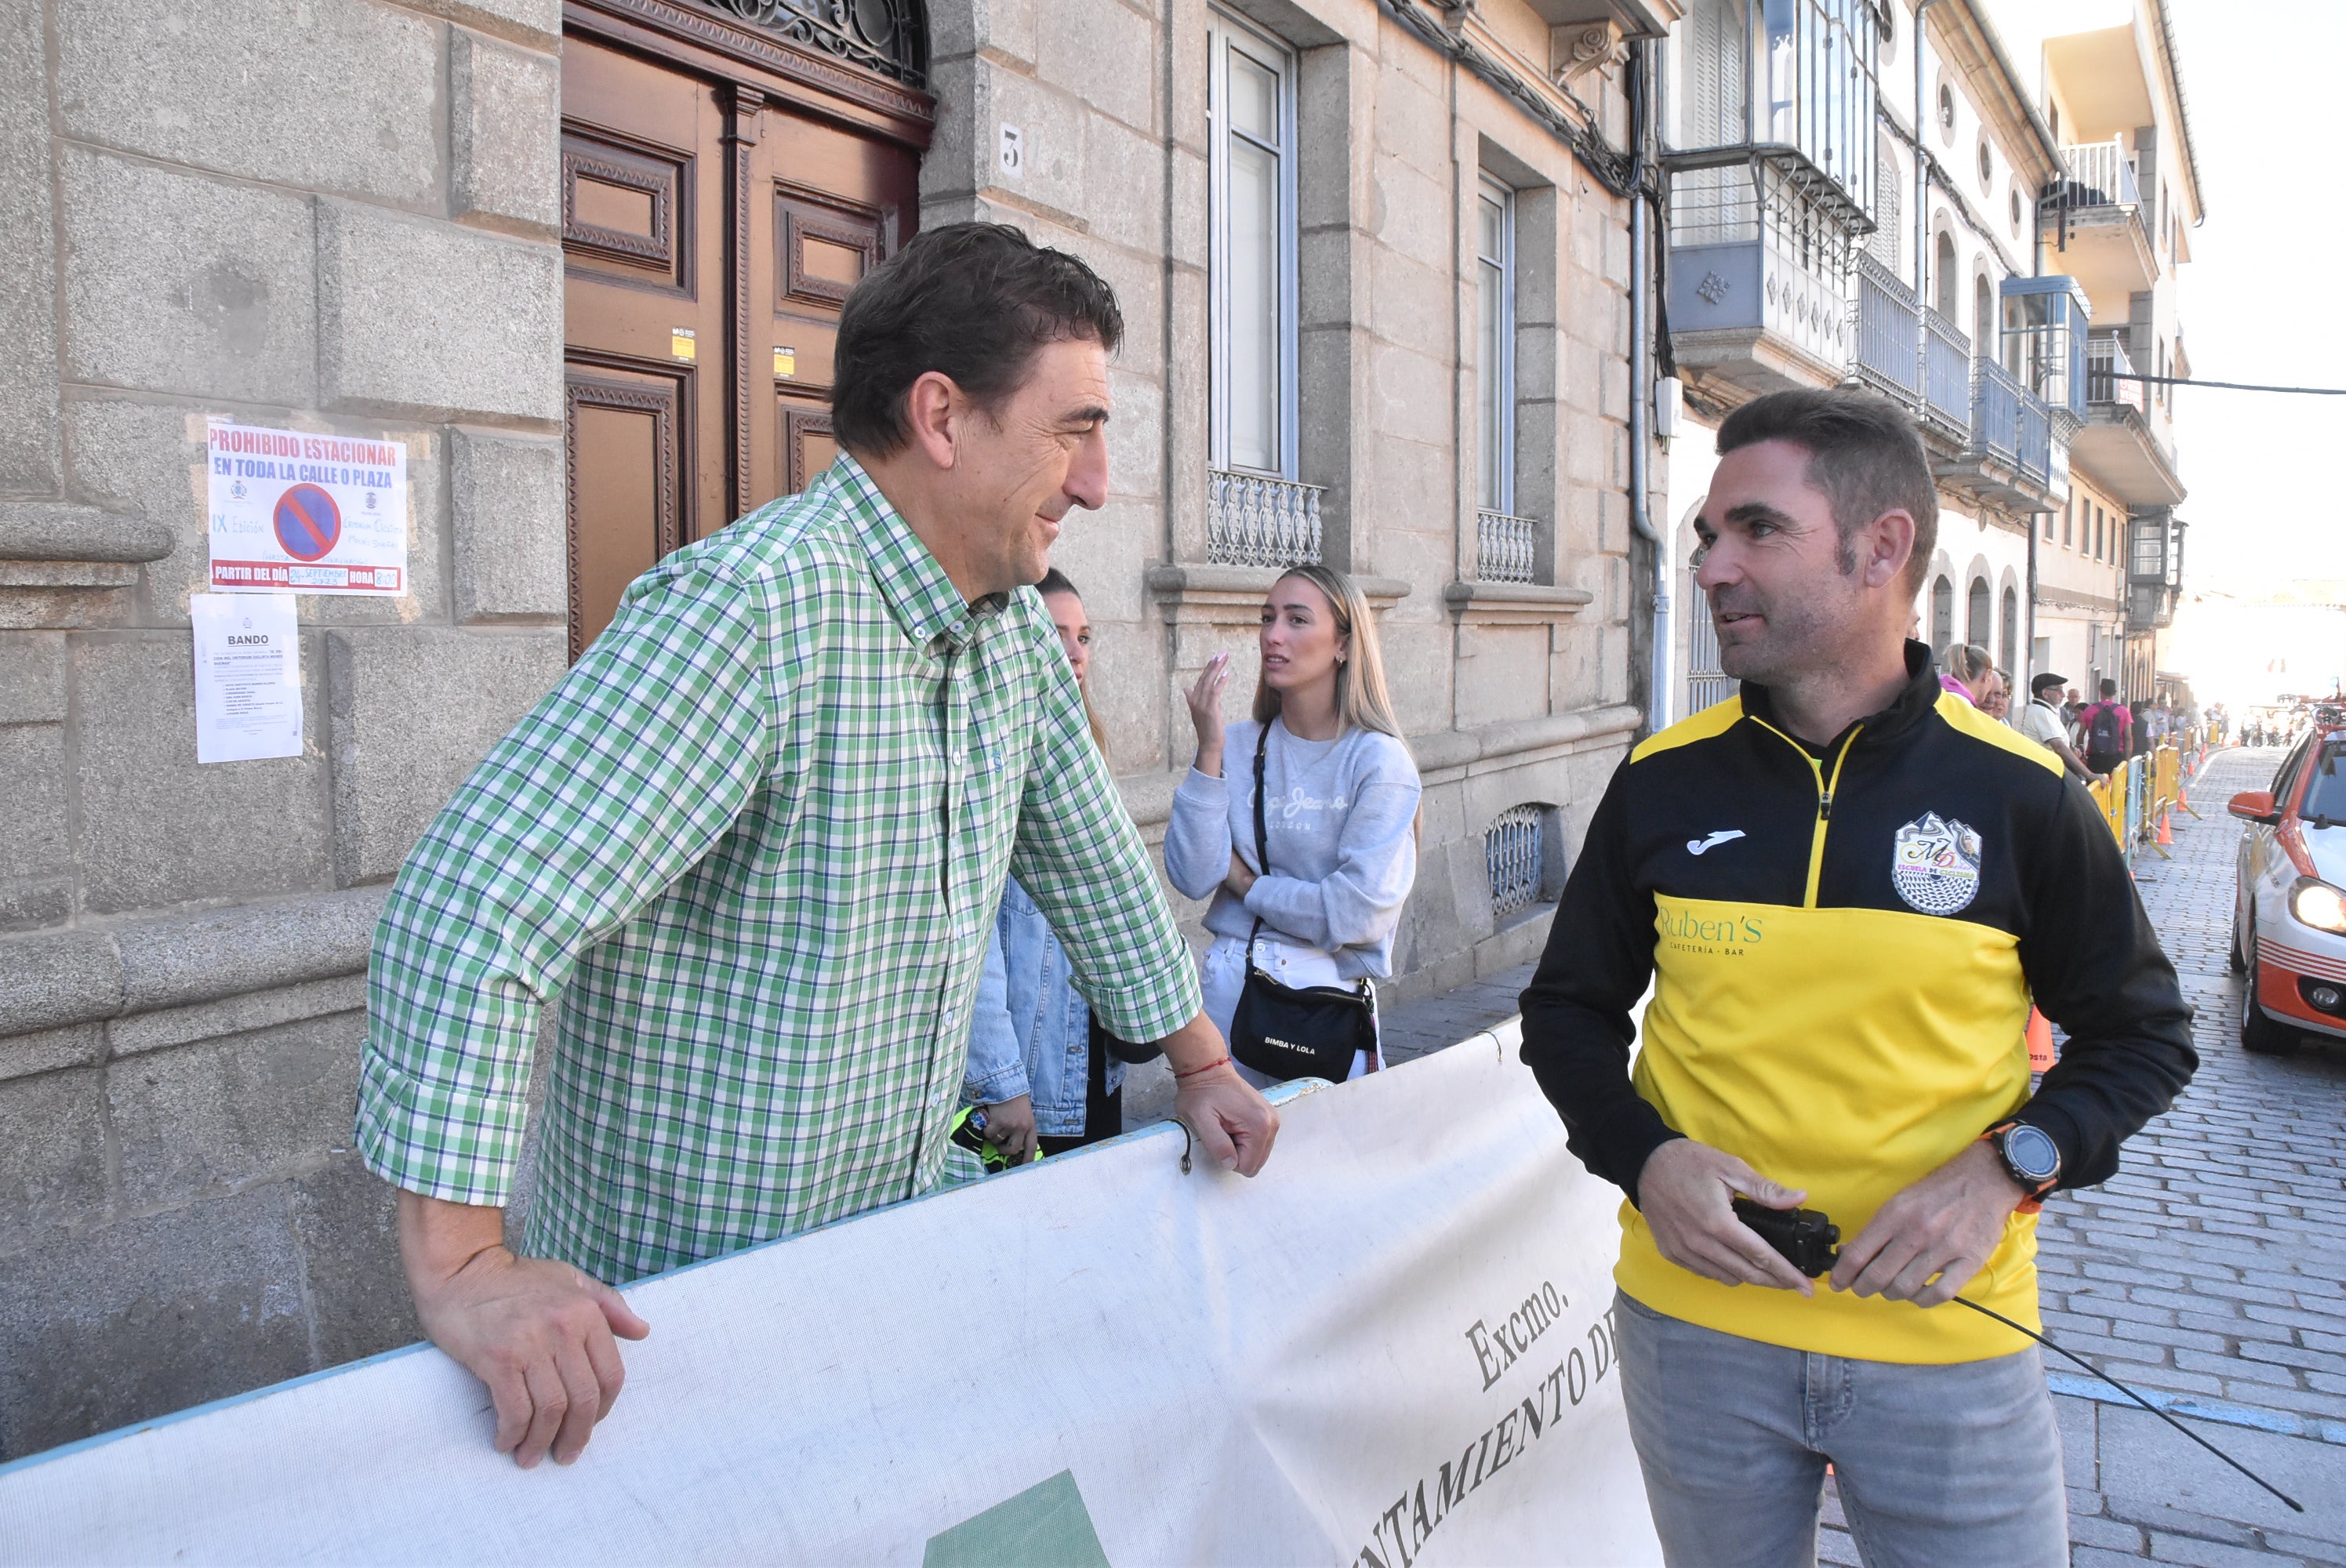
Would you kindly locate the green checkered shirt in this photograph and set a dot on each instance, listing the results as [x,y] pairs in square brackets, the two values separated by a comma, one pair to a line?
[755,840]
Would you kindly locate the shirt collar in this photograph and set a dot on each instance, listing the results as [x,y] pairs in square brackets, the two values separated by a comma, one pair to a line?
[919,595]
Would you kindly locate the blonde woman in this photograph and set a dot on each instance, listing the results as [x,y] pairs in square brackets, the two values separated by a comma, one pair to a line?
[1967,673]
[1340,794]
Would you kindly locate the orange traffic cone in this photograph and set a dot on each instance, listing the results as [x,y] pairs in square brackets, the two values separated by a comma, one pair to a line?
[2040,1041]
[2165,831]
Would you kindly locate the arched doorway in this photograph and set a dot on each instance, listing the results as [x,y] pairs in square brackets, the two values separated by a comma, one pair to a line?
[2008,646]
[1976,629]
[730,169]
[1943,617]
[1947,285]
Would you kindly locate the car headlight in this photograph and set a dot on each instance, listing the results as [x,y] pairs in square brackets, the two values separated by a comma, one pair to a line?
[2319,905]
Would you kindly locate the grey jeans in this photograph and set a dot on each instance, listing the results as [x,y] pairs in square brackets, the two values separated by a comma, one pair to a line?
[1936,1465]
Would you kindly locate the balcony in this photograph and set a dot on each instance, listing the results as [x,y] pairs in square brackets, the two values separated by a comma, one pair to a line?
[1889,332]
[1760,269]
[2153,568]
[1946,377]
[2096,221]
[2011,461]
[2120,443]
[1253,520]
[1506,549]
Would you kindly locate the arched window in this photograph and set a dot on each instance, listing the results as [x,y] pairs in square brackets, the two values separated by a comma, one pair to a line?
[1982,317]
[1977,630]
[2008,647]
[1947,276]
[1943,615]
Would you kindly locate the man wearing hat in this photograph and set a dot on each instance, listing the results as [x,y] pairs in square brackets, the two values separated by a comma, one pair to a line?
[2041,720]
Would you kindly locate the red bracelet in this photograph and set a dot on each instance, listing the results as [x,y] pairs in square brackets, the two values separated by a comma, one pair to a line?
[1209,1067]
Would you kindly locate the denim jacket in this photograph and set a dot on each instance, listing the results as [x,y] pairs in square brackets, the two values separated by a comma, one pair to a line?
[1031,1031]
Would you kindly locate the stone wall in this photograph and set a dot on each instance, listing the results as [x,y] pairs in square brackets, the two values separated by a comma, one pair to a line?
[338,218]
[342,216]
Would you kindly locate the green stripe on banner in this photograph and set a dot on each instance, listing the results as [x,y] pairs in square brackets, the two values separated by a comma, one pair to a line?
[1044,1526]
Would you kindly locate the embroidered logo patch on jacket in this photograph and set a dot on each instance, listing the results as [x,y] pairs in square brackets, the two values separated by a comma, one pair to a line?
[1936,864]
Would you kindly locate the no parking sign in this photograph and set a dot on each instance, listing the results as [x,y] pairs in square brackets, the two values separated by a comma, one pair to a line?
[314,513]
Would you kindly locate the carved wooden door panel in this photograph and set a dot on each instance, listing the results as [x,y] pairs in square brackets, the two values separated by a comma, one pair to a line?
[826,206]
[721,194]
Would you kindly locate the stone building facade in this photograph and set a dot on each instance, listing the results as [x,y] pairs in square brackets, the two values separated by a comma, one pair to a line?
[1375,257]
[2004,240]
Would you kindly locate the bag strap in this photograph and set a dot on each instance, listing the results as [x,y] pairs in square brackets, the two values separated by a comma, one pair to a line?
[1262,849]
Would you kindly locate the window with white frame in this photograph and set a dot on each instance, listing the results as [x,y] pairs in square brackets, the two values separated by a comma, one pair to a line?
[1494,344]
[1250,109]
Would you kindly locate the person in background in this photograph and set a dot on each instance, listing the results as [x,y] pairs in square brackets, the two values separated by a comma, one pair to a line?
[2106,728]
[2070,703]
[1340,794]
[2041,722]
[2141,737]
[1968,672]
[1040,1065]
[1996,700]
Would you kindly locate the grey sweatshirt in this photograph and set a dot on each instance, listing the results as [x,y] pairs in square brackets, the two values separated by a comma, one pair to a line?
[1340,817]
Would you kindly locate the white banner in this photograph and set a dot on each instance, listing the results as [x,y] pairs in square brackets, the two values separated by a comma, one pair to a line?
[1392,1349]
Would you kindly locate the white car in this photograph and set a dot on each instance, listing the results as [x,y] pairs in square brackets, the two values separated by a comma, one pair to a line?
[2289,910]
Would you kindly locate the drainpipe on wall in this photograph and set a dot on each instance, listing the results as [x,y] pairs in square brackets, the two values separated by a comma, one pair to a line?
[2026,662]
[1641,375]
[1921,209]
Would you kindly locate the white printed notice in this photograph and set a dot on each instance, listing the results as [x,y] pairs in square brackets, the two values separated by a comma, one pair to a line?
[247,677]
[315,513]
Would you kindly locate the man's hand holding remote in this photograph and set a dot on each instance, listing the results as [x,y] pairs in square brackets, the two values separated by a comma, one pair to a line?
[1687,1194]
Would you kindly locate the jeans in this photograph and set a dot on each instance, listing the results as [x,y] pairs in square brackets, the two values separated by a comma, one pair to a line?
[1950,1464]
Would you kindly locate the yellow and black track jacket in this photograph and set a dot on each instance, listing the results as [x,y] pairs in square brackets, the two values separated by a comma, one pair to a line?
[1844,947]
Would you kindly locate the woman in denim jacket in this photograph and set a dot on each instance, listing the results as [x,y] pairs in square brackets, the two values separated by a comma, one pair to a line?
[1038,1064]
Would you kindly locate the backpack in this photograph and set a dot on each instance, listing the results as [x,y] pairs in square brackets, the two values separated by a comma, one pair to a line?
[2102,734]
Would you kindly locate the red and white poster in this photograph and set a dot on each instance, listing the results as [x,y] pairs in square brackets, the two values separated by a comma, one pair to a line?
[313,513]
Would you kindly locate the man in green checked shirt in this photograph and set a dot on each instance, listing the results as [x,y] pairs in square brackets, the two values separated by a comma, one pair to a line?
[754,839]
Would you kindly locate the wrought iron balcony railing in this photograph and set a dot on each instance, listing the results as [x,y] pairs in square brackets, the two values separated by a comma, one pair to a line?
[1889,319]
[2035,439]
[1253,520]
[1506,549]
[1996,412]
[1946,374]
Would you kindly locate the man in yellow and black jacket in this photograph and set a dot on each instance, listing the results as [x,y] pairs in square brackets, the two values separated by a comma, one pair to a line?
[1846,885]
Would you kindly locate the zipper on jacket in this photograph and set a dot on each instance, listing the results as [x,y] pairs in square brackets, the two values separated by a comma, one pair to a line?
[1825,789]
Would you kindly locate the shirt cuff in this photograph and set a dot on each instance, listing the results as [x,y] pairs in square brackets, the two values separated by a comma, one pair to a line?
[1149,1012]
[1006,1082]
[423,1138]
[1204,788]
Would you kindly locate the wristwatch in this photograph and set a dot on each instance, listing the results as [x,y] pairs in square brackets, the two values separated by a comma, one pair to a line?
[2030,1156]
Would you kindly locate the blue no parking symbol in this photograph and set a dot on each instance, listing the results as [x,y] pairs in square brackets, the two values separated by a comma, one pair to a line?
[308,524]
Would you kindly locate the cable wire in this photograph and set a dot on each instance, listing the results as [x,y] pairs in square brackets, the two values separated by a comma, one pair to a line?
[2225,386]
[2138,1399]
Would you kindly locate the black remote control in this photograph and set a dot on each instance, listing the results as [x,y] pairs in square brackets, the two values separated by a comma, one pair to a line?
[1807,1239]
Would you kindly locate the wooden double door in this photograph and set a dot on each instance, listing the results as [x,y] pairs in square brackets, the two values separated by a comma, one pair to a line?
[717,207]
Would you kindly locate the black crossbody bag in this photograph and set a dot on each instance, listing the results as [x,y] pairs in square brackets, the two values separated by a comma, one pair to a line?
[1288,1032]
